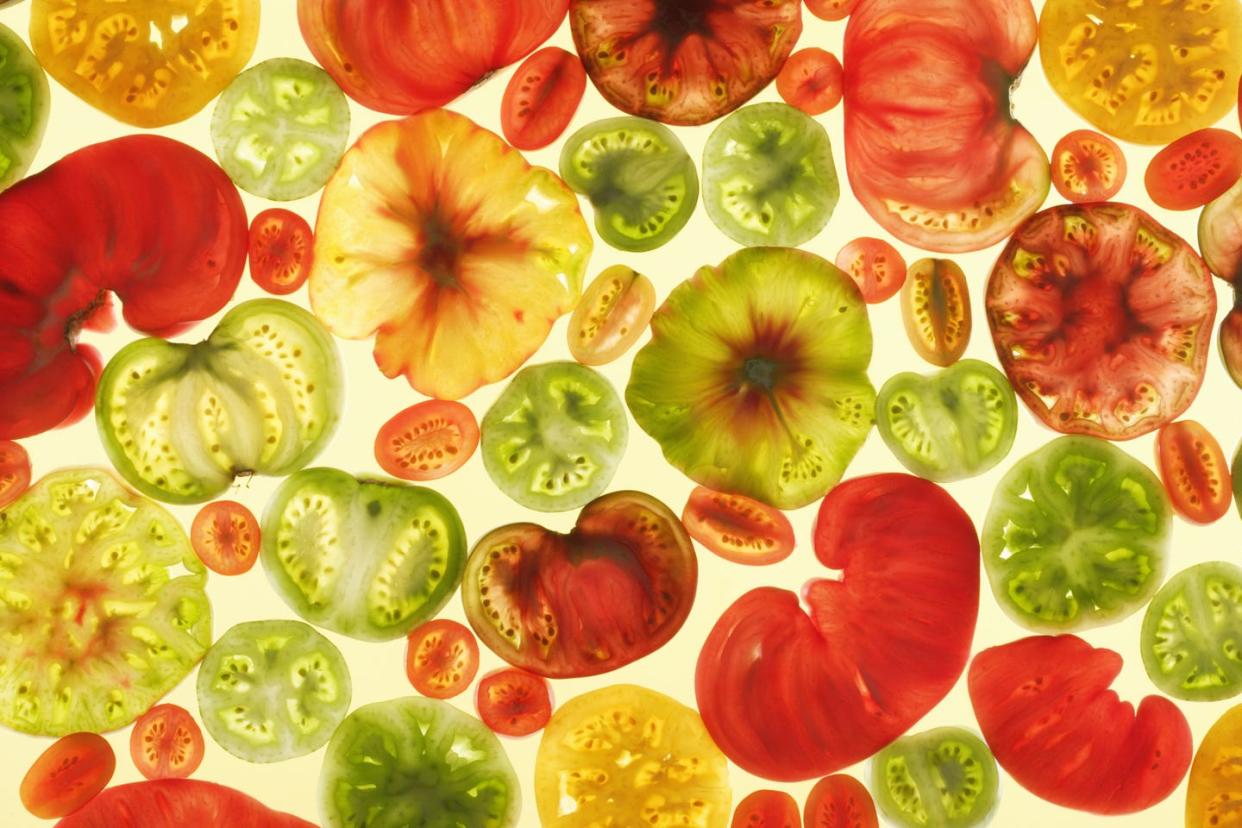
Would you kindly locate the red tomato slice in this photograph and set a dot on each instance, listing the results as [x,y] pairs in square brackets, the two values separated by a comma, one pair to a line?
[541,98]
[875,266]
[811,80]
[840,801]
[1194,169]
[166,743]
[1046,710]
[225,536]
[67,775]
[513,702]
[14,472]
[831,9]
[427,441]
[1087,166]
[441,658]
[181,802]
[767,809]
[737,528]
[282,249]
[1194,472]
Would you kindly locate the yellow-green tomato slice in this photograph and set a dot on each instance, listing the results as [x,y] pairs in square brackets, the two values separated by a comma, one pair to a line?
[941,778]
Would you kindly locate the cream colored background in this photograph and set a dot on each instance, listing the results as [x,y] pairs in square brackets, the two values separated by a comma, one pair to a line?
[378,668]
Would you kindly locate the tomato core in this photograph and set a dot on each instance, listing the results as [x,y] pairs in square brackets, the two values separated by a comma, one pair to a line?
[678,20]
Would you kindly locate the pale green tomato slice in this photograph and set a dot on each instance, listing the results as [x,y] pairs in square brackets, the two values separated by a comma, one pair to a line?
[942,778]
[24,105]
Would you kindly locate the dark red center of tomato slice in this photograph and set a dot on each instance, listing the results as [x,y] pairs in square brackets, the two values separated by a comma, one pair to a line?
[677,20]
[1098,319]
[282,253]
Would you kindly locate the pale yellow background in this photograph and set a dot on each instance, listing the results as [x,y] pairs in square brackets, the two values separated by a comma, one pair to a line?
[377,668]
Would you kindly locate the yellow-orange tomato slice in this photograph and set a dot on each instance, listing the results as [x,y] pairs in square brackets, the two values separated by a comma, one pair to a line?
[14,472]
[1215,787]
[1194,471]
[611,316]
[935,307]
[738,528]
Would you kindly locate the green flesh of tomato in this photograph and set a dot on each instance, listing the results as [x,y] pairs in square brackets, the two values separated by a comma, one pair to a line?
[24,104]
[1192,633]
[942,778]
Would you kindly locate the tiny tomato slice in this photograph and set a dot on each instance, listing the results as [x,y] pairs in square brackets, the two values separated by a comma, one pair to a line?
[166,743]
[67,775]
[541,98]
[935,308]
[14,472]
[427,441]
[767,809]
[839,801]
[441,658]
[1087,166]
[513,702]
[737,528]
[1193,470]
[831,9]
[875,266]
[225,536]
[612,314]
[281,250]
[1194,169]
[811,80]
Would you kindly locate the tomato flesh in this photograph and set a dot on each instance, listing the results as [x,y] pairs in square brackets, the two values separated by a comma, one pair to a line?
[831,9]
[839,801]
[514,702]
[767,809]
[611,316]
[737,528]
[281,251]
[541,98]
[225,536]
[1194,472]
[441,658]
[935,310]
[166,743]
[427,441]
[14,472]
[1214,790]
[1087,166]
[67,775]
[811,80]
[178,802]
[1231,343]
[1194,169]
[875,266]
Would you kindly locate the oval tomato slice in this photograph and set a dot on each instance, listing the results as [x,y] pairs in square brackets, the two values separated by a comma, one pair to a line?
[541,98]
[166,743]
[839,801]
[281,250]
[187,802]
[514,702]
[612,315]
[441,658]
[1087,166]
[1194,169]
[737,528]
[67,775]
[14,472]
[1194,472]
[767,809]
[225,536]
[811,80]
[875,266]
[427,441]
[935,309]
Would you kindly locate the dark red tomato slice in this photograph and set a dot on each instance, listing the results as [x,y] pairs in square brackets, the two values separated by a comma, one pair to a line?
[875,266]
[1046,710]
[67,775]
[513,702]
[811,81]
[14,472]
[831,9]
[541,98]
[1194,169]
[767,809]
[737,528]
[282,249]
[180,802]
[441,658]
[105,219]
[839,801]
[1087,166]
[166,743]
[788,694]
[225,536]
[427,441]
[1194,472]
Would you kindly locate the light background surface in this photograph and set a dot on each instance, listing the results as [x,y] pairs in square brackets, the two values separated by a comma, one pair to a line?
[378,668]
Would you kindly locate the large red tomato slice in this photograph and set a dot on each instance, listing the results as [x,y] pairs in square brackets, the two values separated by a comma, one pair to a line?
[145,217]
[931,149]
[177,802]
[1046,712]
[791,695]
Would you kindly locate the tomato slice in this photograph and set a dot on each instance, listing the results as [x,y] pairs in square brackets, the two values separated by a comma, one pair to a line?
[1189,634]
[767,809]
[831,9]
[1087,166]
[935,310]
[1194,169]
[281,250]
[441,658]
[427,441]
[1220,235]
[541,98]
[187,802]
[14,472]
[1230,341]
[875,266]
[611,316]
[67,775]
[839,801]
[1194,472]
[25,101]
[811,80]
[225,536]
[738,528]
[1215,786]
[940,778]
[513,702]
[166,743]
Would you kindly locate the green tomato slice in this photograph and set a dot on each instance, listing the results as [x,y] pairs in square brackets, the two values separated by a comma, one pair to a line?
[942,778]
[280,129]
[417,763]
[24,104]
[261,395]
[370,559]
[103,609]
[1076,536]
[638,177]
[554,437]
[768,176]
[954,423]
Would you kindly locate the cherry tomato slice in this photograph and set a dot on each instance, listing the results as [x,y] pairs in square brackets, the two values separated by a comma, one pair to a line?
[281,250]
[166,743]
[1194,472]
[737,528]
[935,308]
[513,702]
[811,80]
[67,775]
[875,266]
[427,441]
[831,9]
[225,536]
[14,472]
[611,315]
[541,98]
[1194,169]
[1087,166]
[767,809]
[441,658]
[839,801]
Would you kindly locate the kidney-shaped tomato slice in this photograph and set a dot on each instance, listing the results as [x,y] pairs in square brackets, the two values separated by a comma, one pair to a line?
[791,695]
[67,775]
[166,743]
[441,658]
[1194,472]
[1046,710]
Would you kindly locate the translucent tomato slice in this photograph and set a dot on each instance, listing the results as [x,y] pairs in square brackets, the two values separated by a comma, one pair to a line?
[541,98]
[281,250]
[427,441]
[514,702]
[225,536]
[67,775]
[767,809]
[1194,472]
[1194,169]
[935,309]
[831,9]
[1087,166]
[737,528]
[14,472]
[839,801]
[441,658]
[811,80]
[875,266]
[1230,340]
[611,315]
[166,743]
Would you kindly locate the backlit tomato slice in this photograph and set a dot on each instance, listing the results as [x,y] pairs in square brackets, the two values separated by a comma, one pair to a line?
[875,266]
[611,315]
[513,702]
[427,441]
[839,801]
[811,81]
[67,775]
[225,536]
[14,472]
[1087,166]
[1230,341]
[737,528]
[1194,169]
[441,658]
[767,809]
[281,250]
[935,309]
[831,9]
[1215,786]
[166,743]
[1194,472]
[541,98]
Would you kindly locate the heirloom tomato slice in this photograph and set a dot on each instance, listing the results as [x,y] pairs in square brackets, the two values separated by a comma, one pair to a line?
[1087,166]
[737,528]
[811,80]
[178,802]
[67,775]
[839,801]
[225,536]
[441,658]
[541,98]
[14,472]
[1101,318]
[1230,341]
[427,441]
[935,309]
[790,693]
[1220,234]
[1046,711]
[875,266]
[1215,788]
[611,316]
[441,241]
[166,743]
[931,149]
[1193,469]
[25,101]
[767,809]
[514,702]
[281,249]
[1191,631]
[148,63]
[1194,169]
[941,778]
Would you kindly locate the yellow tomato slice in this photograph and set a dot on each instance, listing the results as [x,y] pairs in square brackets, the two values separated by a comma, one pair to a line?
[1216,776]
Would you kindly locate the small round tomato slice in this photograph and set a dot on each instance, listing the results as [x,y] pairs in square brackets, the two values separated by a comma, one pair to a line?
[935,308]
[513,702]
[611,315]
[839,801]
[166,743]
[811,80]
[427,441]
[14,472]
[831,9]
[441,658]
[1193,470]
[875,266]
[1087,166]
[737,528]
[225,536]
[67,775]
[281,250]
[541,98]
[767,809]
[1194,169]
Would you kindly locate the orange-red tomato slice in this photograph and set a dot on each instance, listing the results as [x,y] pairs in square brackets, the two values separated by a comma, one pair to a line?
[875,266]
[67,775]
[738,528]
[811,80]
[839,801]
[541,98]
[1194,169]
[225,536]
[1194,472]
[166,743]
[611,315]
[513,702]
[441,658]
[281,250]
[767,809]
[1087,166]
[831,9]
[14,472]
[935,308]
[427,441]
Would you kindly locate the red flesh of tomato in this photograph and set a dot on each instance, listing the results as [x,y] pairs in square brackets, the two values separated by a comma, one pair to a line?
[225,536]
[441,658]
[513,702]
[541,98]
[1194,471]
[67,775]
[281,251]
[166,743]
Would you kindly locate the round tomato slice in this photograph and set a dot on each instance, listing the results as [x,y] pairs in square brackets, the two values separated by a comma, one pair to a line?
[541,98]
[875,266]
[1189,637]
[225,536]
[941,778]
[767,809]
[831,9]
[427,441]
[611,316]
[1194,169]
[441,658]
[1194,472]
[1215,787]
[1087,166]
[166,743]
[839,801]
[514,702]
[737,528]
[14,472]
[25,102]
[67,775]
[178,802]
[811,80]
[935,310]
[281,250]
